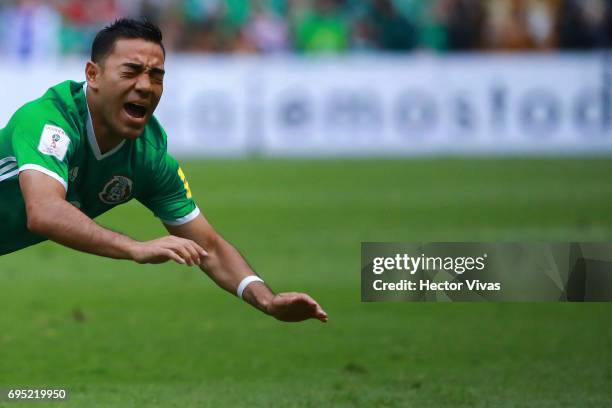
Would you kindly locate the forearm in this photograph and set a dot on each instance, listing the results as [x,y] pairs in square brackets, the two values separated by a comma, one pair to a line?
[61,222]
[227,268]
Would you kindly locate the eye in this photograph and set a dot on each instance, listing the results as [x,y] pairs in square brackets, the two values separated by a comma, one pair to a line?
[157,78]
[128,73]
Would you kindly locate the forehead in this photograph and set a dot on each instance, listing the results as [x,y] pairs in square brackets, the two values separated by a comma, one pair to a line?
[137,50]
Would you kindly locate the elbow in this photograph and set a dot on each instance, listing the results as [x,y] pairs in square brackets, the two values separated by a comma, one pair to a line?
[38,222]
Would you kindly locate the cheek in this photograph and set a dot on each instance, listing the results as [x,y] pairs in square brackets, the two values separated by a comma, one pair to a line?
[115,93]
[158,89]
[113,106]
[157,98]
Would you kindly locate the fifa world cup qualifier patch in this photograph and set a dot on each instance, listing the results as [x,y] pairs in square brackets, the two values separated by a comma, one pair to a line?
[117,190]
[54,142]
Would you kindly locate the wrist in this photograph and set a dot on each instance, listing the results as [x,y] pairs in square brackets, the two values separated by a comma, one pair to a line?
[130,249]
[259,295]
[266,304]
[245,283]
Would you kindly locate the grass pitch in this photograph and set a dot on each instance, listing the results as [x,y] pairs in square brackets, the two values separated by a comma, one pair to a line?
[119,334]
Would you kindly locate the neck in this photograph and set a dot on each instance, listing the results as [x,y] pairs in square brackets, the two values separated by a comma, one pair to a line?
[104,136]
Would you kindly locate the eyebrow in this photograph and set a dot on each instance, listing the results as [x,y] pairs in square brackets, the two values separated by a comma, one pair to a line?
[140,67]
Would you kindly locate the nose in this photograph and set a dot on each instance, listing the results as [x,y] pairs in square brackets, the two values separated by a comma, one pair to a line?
[143,83]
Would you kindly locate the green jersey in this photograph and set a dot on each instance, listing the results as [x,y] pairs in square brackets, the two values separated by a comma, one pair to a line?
[54,135]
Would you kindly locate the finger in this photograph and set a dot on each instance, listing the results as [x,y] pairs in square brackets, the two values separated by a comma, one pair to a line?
[321,314]
[170,254]
[183,253]
[285,298]
[308,300]
[297,298]
[196,250]
[311,301]
[317,310]
[194,255]
[199,250]
[179,245]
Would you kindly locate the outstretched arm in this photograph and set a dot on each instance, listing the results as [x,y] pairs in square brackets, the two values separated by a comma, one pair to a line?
[228,268]
[51,216]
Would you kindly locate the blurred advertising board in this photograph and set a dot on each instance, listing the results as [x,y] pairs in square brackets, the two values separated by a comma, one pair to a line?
[369,104]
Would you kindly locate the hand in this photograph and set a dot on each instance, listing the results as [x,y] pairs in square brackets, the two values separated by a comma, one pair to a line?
[295,307]
[183,251]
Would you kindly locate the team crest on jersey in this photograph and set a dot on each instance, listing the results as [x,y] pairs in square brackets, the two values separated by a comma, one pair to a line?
[72,175]
[117,190]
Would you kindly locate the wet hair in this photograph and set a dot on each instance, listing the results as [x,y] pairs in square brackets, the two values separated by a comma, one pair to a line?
[124,28]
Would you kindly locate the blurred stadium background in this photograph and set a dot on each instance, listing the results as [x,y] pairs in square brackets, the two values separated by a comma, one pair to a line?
[67,27]
[440,120]
[345,77]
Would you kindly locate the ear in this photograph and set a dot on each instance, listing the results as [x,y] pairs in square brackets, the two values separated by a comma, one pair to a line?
[92,74]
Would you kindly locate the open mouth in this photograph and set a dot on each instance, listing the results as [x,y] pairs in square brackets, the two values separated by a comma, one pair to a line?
[135,110]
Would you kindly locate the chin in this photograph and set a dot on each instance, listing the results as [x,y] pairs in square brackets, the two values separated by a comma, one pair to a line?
[131,133]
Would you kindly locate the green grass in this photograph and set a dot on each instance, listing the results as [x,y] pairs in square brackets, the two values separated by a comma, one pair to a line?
[120,334]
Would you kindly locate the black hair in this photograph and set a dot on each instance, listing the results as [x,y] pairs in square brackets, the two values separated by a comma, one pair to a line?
[124,28]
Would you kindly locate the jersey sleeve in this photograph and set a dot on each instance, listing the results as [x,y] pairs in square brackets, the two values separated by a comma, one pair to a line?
[169,195]
[45,147]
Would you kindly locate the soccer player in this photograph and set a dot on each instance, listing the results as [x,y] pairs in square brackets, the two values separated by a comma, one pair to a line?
[83,148]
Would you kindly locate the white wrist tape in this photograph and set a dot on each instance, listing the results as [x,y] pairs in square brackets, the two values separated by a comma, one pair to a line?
[245,282]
